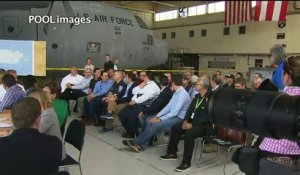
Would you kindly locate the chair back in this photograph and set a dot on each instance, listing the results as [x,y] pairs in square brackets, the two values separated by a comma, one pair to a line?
[232,135]
[75,134]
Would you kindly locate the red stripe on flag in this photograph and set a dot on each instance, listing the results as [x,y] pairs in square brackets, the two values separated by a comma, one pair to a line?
[270,10]
[230,12]
[238,12]
[243,4]
[257,10]
[234,12]
[225,20]
[283,11]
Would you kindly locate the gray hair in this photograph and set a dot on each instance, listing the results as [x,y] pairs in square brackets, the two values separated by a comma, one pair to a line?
[279,53]
[204,80]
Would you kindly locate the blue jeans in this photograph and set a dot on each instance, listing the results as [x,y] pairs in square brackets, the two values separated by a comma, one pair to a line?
[154,128]
[145,119]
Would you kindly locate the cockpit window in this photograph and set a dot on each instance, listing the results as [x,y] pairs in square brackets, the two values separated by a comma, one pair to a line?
[140,21]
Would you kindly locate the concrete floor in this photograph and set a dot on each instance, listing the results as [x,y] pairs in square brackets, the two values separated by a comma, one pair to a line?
[104,154]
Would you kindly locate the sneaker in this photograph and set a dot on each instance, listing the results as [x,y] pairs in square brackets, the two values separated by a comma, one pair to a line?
[182,167]
[168,157]
[108,116]
[105,130]
[135,147]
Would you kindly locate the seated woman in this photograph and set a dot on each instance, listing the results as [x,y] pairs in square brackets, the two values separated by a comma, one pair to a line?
[60,106]
[280,156]
[49,121]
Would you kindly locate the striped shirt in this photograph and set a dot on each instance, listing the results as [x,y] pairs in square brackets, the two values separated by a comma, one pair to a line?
[12,95]
[282,146]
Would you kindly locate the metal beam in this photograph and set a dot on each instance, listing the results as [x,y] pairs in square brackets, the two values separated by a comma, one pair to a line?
[166,4]
[132,8]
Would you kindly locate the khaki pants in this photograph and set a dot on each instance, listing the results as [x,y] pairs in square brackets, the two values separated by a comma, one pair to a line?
[116,108]
[80,102]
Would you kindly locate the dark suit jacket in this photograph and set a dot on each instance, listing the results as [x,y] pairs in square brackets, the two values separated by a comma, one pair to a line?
[129,95]
[160,102]
[28,152]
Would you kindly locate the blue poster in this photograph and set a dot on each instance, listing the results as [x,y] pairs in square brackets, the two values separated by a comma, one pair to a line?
[17,55]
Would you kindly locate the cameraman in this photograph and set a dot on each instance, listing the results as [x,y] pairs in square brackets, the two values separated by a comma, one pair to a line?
[280,156]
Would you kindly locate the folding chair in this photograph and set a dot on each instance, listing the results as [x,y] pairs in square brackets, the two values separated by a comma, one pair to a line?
[74,135]
[226,138]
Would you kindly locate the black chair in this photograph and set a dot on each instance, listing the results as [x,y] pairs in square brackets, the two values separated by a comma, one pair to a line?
[226,138]
[74,135]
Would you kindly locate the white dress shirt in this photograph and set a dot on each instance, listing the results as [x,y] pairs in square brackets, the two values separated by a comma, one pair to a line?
[83,85]
[150,91]
[70,79]
[2,92]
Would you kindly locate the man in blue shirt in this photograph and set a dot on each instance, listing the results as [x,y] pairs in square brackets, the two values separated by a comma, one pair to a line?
[13,93]
[95,98]
[171,114]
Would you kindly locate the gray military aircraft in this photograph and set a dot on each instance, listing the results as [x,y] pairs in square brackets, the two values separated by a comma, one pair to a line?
[74,31]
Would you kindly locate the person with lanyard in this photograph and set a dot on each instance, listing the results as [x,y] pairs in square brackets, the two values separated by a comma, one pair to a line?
[195,124]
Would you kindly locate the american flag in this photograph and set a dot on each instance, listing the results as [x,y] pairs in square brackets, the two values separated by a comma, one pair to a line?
[237,12]
[271,10]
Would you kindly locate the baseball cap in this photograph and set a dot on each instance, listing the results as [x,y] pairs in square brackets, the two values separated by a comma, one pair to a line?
[230,76]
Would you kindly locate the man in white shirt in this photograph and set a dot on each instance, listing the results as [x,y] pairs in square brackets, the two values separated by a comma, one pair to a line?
[144,94]
[73,78]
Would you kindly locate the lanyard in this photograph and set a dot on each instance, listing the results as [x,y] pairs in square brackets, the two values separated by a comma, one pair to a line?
[198,103]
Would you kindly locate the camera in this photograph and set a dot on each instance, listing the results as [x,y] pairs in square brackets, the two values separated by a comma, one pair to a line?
[265,113]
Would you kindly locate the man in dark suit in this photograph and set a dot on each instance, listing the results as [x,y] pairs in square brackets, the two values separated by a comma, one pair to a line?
[159,103]
[26,151]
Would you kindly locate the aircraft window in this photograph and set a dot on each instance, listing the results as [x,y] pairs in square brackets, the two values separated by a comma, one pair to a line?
[140,21]
[150,40]
[118,30]
[54,46]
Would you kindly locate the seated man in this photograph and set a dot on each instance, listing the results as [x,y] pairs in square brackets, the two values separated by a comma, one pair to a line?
[13,93]
[26,151]
[117,91]
[94,99]
[72,78]
[77,90]
[30,84]
[14,73]
[196,124]
[115,105]
[159,103]
[144,94]
[170,115]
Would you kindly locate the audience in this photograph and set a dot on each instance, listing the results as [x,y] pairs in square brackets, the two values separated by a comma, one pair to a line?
[186,83]
[159,103]
[13,93]
[215,82]
[80,89]
[89,64]
[2,90]
[144,94]
[108,64]
[26,150]
[257,80]
[196,123]
[72,78]
[94,99]
[116,92]
[229,81]
[170,115]
[240,83]
[116,64]
[192,92]
[30,84]
[115,105]
[239,75]
[49,122]
[14,73]
[277,58]
[280,156]
[60,106]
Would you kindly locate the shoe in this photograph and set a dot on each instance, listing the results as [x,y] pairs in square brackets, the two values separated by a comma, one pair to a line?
[127,142]
[105,130]
[168,157]
[182,167]
[134,147]
[108,116]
